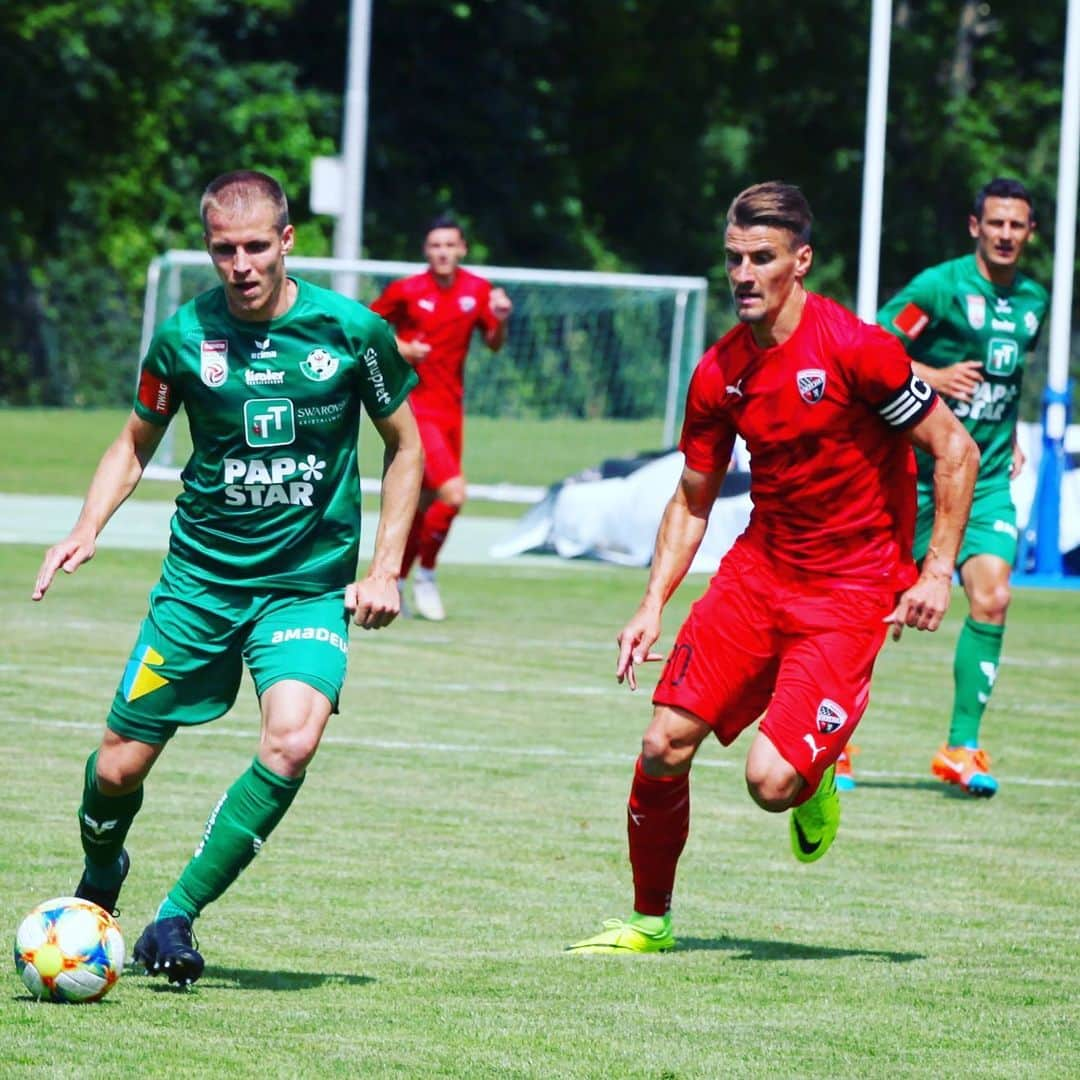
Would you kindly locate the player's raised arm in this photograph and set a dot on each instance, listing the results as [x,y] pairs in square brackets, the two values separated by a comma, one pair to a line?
[500,305]
[375,600]
[956,466]
[119,471]
[681,531]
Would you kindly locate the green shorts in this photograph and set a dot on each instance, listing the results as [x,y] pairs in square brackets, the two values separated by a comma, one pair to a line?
[186,665]
[991,529]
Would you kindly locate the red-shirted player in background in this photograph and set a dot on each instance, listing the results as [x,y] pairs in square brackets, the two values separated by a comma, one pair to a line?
[792,621]
[434,315]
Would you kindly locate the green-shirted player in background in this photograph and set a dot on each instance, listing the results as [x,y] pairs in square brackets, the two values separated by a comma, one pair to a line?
[970,325]
[272,372]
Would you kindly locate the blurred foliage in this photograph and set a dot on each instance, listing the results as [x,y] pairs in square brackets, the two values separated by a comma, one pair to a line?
[606,134]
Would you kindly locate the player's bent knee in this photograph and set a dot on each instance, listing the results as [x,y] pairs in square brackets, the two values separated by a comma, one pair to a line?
[773,789]
[453,493]
[661,757]
[120,770]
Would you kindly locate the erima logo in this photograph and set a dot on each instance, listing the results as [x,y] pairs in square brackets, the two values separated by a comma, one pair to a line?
[427,305]
[98,828]
[263,351]
[830,716]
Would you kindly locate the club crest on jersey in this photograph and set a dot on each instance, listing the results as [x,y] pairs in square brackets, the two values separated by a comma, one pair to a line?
[811,383]
[213,362]
[830,716]
[976,311]
[1031,322]
[319,365]
[467,303]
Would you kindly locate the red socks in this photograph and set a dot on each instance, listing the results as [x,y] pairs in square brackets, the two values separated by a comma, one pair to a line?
[657,824]
[433,531]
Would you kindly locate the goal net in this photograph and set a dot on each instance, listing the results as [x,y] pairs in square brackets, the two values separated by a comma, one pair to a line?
[579,344]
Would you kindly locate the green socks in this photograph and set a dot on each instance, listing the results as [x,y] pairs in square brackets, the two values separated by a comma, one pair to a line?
[978,651]
[243,818]
[104,821]
[653,925]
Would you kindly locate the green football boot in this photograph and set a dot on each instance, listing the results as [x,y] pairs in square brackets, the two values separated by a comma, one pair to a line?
[814,823]
[639,934]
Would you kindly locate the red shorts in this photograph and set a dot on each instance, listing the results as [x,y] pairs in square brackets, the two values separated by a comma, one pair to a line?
[802,653]
[442,439]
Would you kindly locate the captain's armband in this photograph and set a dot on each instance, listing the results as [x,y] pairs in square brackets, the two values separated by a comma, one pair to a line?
[908,405]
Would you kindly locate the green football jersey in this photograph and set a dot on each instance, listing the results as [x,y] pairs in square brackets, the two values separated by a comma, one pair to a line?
[271,494]
[950,313]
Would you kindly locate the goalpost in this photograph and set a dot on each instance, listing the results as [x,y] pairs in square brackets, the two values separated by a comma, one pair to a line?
[579,344]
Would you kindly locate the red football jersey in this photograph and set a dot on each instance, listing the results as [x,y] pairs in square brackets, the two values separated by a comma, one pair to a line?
[832,476]
[419,308]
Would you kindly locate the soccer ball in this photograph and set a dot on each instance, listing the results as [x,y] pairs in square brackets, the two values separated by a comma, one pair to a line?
[69,950]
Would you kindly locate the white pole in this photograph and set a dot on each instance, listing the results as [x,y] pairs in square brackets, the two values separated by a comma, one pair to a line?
[348,233]
[877,109]
[1046,511]
[1057,375]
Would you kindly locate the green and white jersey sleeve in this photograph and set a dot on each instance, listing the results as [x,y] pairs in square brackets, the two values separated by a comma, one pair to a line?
[951,313]
[271,494]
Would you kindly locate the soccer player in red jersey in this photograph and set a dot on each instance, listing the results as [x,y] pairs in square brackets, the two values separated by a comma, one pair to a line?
[434,315]
[791,623]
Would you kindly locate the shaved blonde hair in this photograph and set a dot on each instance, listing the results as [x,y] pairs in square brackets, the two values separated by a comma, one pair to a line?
[240,190]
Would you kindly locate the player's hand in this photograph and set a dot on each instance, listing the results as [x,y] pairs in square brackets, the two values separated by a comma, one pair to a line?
[374,602]
[635,647]
[500,304]
[923,606]
[415,351]
[68,556]
[958,381]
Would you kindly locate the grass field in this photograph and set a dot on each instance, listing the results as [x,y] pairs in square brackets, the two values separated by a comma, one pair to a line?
[464,821]
[54,451]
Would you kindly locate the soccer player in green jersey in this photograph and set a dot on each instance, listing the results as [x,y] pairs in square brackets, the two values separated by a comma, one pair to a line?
[272,372]
[970,325]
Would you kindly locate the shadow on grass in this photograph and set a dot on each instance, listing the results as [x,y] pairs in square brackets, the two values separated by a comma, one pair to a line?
[948,791]
[226,978]
[752,949]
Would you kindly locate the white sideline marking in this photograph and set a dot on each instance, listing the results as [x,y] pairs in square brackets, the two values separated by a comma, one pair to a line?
[487,751]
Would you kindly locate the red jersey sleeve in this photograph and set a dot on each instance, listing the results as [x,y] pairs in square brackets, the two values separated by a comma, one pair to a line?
[390,303]
[882,377]
[708,436]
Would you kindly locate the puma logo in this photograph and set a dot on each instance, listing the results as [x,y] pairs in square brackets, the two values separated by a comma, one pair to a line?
[814,748]
[734,391]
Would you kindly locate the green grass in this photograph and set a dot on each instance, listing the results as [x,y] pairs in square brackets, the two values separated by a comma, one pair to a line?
[54,451]
[464,821]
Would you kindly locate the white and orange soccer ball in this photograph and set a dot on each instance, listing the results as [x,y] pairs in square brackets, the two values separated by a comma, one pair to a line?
[69,950]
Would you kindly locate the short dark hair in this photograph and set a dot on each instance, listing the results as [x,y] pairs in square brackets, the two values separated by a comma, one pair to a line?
[240,189]
[1002,187]
[773,203]
[445,220]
